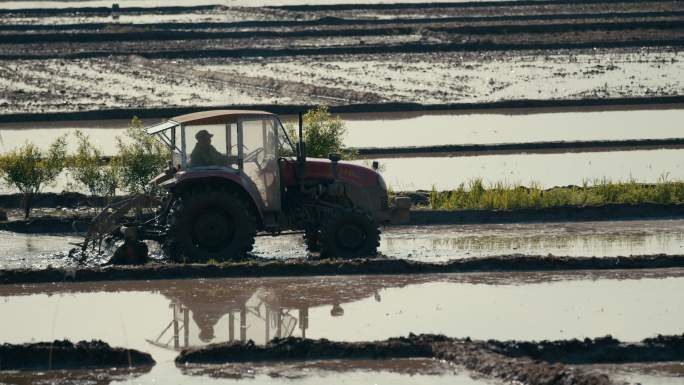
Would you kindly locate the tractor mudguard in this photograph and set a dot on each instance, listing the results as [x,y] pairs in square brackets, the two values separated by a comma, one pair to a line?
[218,175]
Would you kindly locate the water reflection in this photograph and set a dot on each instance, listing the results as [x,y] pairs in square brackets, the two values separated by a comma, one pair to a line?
[253,310]
[163,316]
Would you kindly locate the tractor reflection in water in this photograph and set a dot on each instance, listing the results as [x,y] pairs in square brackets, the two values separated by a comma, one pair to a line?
[249,312]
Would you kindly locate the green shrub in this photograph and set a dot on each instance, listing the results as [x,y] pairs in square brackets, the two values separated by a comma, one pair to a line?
[323,134]
[29,169]
[141,157]
[89,169]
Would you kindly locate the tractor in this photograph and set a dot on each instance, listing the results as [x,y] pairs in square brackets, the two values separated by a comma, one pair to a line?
[236,173]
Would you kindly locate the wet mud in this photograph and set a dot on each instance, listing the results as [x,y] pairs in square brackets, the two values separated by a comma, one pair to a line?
[551,214]
[298,267]
[529,362]
[599,350]
[71,376]
[65,355]
[293,348]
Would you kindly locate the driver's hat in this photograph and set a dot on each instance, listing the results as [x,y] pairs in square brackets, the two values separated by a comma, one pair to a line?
[203,134]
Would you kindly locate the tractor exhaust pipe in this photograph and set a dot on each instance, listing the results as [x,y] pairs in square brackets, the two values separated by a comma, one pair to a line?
[301,150]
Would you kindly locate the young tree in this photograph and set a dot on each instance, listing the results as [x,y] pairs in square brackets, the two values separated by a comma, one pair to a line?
[141,157]
[29,169]
[89,169]
[323,133]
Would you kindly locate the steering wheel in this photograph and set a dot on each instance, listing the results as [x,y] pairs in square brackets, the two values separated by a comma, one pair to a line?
[252,156]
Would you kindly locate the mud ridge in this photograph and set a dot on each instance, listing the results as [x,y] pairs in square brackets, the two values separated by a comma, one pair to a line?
[108,10]
[594,351]
[611,211]
[299,267]
[89,37]
[330,20]
[472,4]
[412,47]
[67,355]
[512,148]
[520,106]
[519,361]
[294,348]
[76,222]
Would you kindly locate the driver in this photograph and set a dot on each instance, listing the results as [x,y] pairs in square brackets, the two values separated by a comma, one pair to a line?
[204,154]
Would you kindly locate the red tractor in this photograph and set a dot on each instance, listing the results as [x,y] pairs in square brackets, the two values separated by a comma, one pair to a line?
[229,178]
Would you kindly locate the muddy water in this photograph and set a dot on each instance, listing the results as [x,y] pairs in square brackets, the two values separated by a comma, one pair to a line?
[545,170]
[427,244]
[415,129]
[661,373]
[628,305]
[385,130]
[402,371]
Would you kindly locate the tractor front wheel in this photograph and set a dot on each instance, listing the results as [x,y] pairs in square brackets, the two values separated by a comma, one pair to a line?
[209,224]
[349,234]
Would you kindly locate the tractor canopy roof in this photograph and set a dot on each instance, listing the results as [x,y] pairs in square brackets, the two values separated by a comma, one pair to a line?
[208,117]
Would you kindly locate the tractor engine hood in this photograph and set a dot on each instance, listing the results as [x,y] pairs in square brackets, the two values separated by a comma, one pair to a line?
[322,169]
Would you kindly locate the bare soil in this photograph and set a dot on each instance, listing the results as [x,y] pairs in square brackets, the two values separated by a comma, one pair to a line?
[65,355]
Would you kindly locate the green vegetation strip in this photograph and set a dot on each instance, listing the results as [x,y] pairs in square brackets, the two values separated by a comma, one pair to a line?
[502,196]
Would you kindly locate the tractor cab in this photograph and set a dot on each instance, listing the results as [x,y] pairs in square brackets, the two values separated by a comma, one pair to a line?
[215,143]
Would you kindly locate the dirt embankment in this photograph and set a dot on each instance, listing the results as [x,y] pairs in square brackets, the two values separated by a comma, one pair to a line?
[255,268]
[73,212]
[517,148]
[520,106]
[67,355]
[523,361]
[594,351]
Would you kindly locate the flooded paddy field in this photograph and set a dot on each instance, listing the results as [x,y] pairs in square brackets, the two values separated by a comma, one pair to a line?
[52,85]
[212,54]
[545,170]
[397,129]
[160,316]
[423,244]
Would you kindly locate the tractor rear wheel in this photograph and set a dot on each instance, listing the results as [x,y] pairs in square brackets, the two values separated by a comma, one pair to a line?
[349,234]
[209,224]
